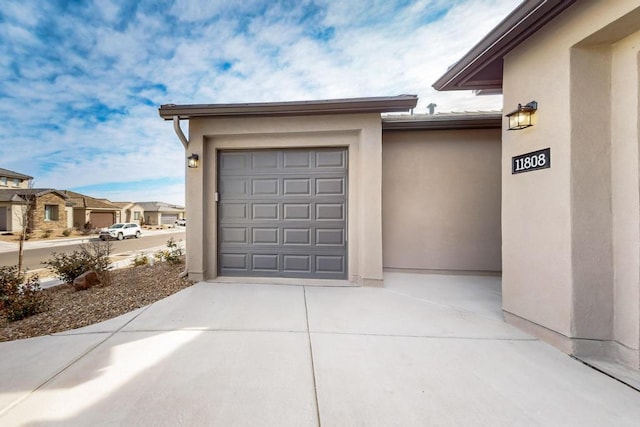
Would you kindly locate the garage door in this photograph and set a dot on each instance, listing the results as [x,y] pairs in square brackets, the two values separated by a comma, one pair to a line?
[282,213]
[101,219]
[3,219]
[169,219]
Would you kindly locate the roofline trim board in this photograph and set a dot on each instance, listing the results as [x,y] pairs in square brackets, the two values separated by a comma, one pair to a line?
[485,121]
[525,20]
[387,104]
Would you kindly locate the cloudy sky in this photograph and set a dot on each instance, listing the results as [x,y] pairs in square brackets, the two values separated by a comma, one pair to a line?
[81,81]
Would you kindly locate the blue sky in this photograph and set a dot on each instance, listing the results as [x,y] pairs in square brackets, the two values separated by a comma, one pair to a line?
[81,81]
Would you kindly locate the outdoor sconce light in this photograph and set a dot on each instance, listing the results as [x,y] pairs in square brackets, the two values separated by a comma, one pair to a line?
[521,117]
[192,161]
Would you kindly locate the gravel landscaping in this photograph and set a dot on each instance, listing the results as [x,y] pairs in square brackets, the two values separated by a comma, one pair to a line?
[129,289]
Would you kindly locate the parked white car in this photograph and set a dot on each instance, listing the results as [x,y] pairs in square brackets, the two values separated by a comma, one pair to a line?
[182,222]
[121,231]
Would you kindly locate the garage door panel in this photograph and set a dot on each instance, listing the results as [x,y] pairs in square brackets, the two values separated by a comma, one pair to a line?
[331,159]
[283,213]
[233,211]
[234,187]
[329,264]
[233,160]
[330,187]
[234,235]
[265,236]
[265,187]
[296,236]
[265,211]
[296,187]
[297,263]
[297,159]
[329,237]
[329,212]
[265,262]
[231,262]
[297,211]
[264,160]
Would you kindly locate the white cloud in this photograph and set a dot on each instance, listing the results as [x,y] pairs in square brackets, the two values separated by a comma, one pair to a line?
[81,86]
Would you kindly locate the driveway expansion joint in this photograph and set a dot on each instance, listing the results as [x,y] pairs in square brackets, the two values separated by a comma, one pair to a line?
[313,367]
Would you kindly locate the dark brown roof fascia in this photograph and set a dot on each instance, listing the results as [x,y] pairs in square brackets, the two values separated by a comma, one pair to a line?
[487,55]
[388,104]
[12,174]
[444,122]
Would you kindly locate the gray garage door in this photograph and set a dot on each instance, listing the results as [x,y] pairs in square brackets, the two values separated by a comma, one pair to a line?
[169,219]
[282,213]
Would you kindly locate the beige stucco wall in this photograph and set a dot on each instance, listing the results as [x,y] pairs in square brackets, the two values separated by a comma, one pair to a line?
[360,133]
[69,211]
[14,215]
[441,200]
[570,233]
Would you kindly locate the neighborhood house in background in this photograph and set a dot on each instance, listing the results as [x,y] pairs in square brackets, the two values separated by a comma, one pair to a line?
[48,209]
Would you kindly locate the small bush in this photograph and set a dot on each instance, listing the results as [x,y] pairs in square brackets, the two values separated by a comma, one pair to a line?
[19,300]
[46,234]
[67,232]
[140,259]
[91,256]
[87,229]
[173,254]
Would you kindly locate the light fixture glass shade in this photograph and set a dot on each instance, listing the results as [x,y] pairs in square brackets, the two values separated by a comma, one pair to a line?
[192,161]
[521,117]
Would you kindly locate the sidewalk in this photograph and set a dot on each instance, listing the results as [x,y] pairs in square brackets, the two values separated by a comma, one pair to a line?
[424,350]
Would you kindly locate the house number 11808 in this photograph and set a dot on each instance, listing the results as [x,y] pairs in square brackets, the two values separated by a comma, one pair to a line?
[540,159]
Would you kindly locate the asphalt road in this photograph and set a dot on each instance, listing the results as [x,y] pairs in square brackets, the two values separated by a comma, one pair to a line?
[34,257]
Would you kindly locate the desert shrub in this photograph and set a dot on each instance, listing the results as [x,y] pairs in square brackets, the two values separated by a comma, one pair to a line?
[18,298]
[66,232]
[87,229]
[90,256]
[173,254]
[140,259]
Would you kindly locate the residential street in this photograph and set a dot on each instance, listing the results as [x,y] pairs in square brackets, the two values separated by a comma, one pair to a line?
[41,250]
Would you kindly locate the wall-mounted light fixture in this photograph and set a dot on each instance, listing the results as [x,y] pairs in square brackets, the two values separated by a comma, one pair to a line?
[521,117]
[192,161]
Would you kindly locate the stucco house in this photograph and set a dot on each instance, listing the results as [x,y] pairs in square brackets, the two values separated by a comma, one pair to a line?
[92,212]
[331,190]
[11,179]
[161,213]
[37,209]
[570,230]
[49,209]
[130,212]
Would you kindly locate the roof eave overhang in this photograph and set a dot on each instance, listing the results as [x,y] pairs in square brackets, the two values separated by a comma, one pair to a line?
[489,121]
[401,103]
[481,67]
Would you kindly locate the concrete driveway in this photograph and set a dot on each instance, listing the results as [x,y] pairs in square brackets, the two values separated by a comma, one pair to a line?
[425,350]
